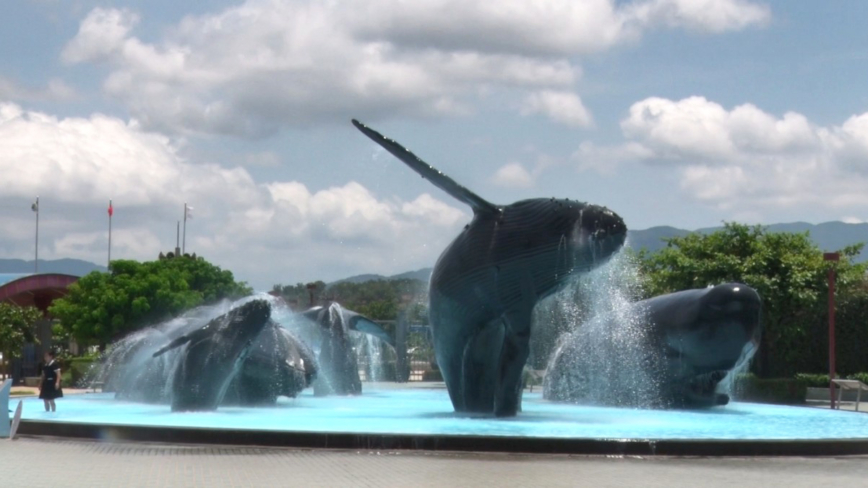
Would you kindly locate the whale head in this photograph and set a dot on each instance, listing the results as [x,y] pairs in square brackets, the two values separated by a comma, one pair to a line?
[597,233]
[724,332]
[243,324]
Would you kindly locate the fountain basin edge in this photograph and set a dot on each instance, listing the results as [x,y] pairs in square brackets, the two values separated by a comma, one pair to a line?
[447,443]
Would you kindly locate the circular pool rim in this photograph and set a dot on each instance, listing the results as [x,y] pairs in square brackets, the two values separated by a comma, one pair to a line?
[454,443]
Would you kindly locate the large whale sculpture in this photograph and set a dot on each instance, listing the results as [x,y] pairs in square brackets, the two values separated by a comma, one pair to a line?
[337,359]
[278,364]
[688,342]
[214,356]
[486,283]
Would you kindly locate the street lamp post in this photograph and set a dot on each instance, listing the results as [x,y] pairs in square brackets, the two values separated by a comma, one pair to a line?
[310,288]
[833,257]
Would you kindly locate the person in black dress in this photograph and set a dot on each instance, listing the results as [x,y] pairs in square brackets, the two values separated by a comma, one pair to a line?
[49,384]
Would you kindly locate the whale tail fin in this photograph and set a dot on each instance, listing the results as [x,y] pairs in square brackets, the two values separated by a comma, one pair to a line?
[430,173]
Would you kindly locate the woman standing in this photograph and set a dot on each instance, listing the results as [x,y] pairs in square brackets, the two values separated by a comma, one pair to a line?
[49,384]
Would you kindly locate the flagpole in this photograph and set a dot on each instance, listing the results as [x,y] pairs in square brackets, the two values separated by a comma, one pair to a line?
[109,265]
[36,261]
[184,242]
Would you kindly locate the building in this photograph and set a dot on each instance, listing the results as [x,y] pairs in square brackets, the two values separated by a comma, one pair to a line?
[36,290]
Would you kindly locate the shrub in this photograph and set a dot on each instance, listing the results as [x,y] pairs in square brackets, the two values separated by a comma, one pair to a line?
[78,368]
[786,391]
[863,377]
[813,380]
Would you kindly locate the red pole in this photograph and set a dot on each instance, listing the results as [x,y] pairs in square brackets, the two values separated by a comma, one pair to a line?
[832,256]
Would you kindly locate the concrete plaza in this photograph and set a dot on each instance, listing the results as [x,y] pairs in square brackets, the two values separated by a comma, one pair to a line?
[46,462]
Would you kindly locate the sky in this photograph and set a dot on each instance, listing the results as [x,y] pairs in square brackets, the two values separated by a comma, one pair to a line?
[670,112]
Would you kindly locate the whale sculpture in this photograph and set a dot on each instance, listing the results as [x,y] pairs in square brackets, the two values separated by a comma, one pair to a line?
[278,364]
[486,284]
[214,356]
[337,359]
[688,342]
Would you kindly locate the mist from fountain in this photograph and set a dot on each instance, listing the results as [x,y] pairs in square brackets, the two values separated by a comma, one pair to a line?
[129,370]
[376,357]
[602,345]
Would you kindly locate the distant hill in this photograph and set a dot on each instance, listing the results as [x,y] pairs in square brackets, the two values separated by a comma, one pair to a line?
[829,236]
[74,267]
[420,274]
[423,274]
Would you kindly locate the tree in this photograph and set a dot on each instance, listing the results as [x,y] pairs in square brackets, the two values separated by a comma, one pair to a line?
[17,327]
[377,299]
[786,269]
[101,307]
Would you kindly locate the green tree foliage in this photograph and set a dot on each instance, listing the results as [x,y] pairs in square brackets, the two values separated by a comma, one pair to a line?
[787,270]
[300,295]
[17,327]
[376,299]
[101,307]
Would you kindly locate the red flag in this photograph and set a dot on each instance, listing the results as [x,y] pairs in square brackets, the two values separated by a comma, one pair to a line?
[110,210]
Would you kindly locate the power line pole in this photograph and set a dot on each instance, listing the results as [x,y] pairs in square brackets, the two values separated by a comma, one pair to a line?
[188,213]
[178,240]
[35,208]
[110,212]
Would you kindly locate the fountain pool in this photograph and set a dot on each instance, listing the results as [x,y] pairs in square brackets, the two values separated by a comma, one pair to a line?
[391,416]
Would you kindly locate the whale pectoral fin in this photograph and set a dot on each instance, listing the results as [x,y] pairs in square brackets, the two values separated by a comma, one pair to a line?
[368,326]
[176,343]
[430,173]
[479,367]
[513,357]
[312,313]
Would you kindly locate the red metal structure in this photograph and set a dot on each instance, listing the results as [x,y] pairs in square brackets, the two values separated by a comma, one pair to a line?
[36,290]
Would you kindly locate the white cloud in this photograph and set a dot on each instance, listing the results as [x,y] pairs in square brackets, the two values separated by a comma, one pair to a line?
[253,68]
[545,27]
[513,175]
[702,15]
[55,90]
[607,159]
[744,158]
[562,107]
[697,128]
[268,159]
[265,233]
[101,34]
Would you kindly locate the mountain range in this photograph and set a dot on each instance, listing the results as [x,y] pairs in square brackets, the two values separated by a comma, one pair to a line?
[829,236]
[74,267]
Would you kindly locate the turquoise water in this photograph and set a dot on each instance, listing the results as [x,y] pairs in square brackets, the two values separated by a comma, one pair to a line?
[428,411]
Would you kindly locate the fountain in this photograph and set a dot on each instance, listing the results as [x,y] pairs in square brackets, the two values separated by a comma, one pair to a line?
[532,259]
[670,351]
[419,416]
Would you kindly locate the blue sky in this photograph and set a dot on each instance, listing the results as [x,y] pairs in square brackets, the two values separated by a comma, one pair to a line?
[670,112]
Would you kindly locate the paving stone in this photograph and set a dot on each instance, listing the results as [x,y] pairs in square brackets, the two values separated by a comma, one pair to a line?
[48,462]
